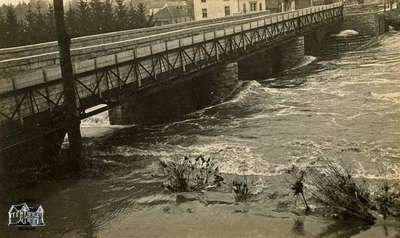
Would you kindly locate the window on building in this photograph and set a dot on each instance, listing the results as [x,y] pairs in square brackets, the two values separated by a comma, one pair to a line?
[253,6]
[260,6]
[204,12]
[227,10]
[244,8]
[203,0]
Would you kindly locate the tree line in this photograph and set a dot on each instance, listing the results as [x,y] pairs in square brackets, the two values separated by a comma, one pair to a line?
[87,17]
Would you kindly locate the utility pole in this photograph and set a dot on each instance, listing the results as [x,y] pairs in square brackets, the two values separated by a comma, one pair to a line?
[72,114]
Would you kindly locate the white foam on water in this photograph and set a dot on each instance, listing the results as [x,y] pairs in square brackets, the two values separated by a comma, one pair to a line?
[347,33]
[392,97]
[250,89]
[101,119]
[308,59]
[391,172]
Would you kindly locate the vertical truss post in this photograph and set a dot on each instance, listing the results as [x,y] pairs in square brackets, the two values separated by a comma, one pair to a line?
[44,73]
[72,115]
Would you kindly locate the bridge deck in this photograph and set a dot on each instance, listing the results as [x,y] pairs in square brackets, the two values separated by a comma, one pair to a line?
[31,91]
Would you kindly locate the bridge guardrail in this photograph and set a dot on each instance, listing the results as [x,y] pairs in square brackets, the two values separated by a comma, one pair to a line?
[47,59]
[47,47]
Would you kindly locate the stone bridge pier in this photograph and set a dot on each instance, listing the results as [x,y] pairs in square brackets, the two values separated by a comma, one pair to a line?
[183,96]
[270,62]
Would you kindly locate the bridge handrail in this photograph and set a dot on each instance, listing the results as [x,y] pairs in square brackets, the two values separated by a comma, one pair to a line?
[109,36]
[136,42]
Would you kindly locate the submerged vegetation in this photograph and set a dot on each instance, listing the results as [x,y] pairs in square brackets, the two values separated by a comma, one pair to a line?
[298,186]
[335,187]
[186,175]
[241,190]
[328,184]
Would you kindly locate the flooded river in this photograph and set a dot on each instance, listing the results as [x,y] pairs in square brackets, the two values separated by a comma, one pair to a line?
[345,109]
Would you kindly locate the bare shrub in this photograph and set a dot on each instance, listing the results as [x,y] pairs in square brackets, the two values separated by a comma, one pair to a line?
[185,175]
[298,185]
[335,187]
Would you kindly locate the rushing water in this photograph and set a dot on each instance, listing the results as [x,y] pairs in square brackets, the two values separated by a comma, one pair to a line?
[346,109]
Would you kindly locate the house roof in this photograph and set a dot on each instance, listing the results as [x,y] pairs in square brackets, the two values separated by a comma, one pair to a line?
[176,3]
[172,12]
[156,4]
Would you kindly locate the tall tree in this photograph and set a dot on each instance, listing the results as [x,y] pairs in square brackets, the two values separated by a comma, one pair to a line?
[96,16]
[40,24]
[30,24]
[2,31]
[51,24]
[12,27]
[71,21]
[82,17]
[108,20]
[121,16]
[141,18]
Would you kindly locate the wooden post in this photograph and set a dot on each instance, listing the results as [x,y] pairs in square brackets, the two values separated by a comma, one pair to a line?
[72,114]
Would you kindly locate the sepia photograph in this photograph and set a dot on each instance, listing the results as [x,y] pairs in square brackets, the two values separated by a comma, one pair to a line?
[199,118]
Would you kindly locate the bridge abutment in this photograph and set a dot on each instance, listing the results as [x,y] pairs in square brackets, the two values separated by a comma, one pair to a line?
[177,98]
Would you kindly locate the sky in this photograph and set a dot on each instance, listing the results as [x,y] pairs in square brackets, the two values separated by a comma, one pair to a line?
[14,1]
[10,1]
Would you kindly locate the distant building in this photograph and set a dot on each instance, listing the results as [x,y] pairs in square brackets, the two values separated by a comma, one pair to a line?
[288,5]
[173,14]
[154,6]
[299,4]
[209,9]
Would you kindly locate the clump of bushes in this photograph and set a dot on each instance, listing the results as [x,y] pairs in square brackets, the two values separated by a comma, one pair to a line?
[241,190]
[186,174]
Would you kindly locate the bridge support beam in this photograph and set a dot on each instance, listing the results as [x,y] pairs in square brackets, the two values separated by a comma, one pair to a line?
[169,102]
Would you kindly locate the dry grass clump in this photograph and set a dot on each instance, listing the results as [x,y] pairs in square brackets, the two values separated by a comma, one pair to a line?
[185,175]
[336,188]
[241,190]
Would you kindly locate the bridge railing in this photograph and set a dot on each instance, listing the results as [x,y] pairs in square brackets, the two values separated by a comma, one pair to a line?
[148,61]
[110,37]
[51,57]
